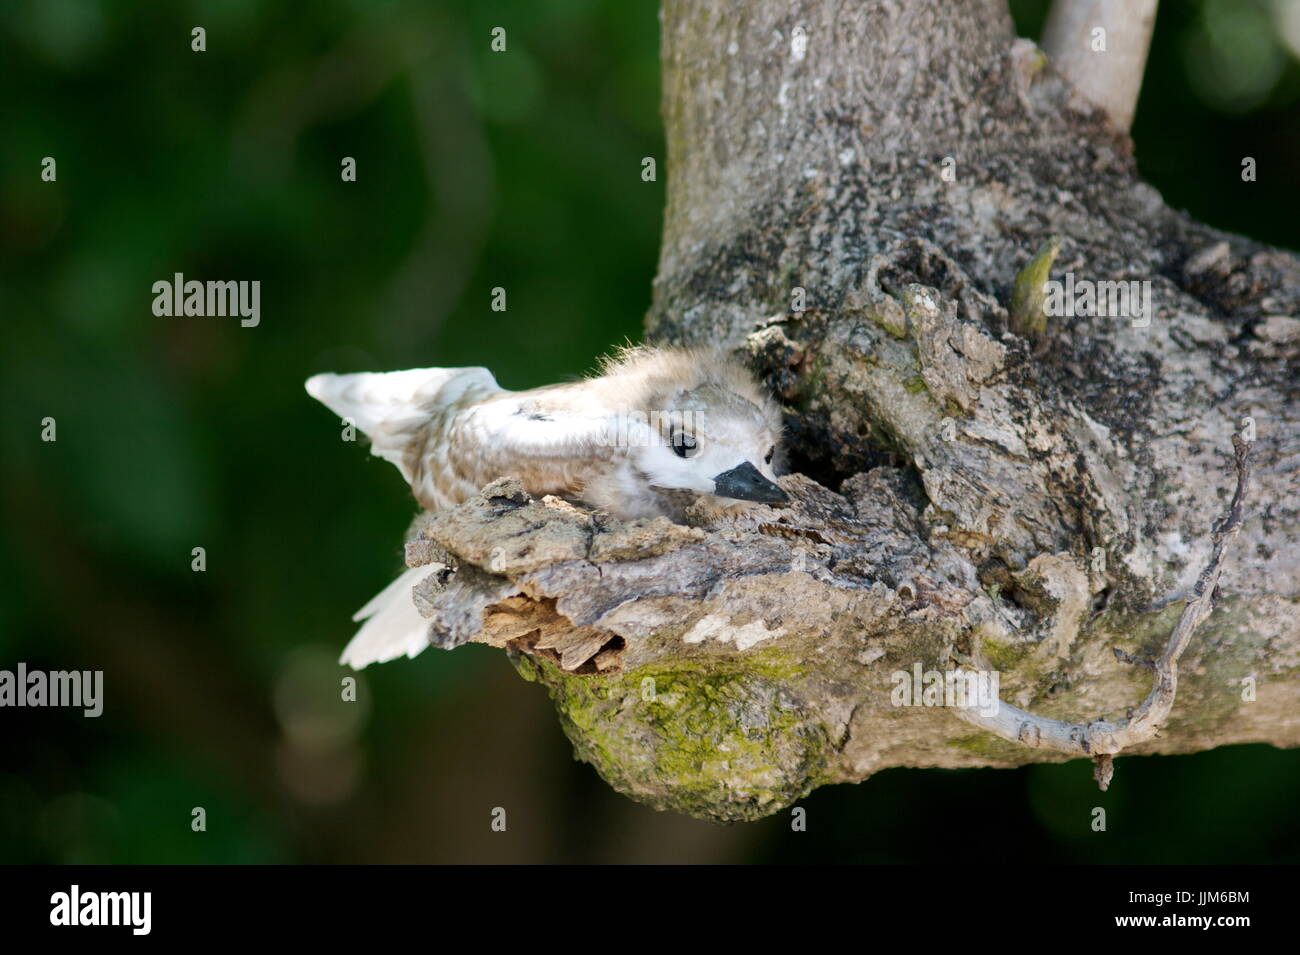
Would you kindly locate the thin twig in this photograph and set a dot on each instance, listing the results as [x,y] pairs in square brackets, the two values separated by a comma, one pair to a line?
[1103,739]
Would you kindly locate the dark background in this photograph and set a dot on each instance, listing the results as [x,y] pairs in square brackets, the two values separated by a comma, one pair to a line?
[475,169]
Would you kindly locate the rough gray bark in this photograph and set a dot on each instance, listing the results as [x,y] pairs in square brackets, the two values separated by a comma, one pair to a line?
[1028,503]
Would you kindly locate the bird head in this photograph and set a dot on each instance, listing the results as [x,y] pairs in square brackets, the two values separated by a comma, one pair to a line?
[712,440]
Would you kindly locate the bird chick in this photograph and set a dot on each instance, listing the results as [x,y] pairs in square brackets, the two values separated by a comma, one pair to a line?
[657,431]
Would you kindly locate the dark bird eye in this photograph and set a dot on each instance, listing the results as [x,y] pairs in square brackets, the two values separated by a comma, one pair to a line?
[767,459]
[683,444]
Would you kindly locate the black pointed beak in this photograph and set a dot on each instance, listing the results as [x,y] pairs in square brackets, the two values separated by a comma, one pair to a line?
[745,483]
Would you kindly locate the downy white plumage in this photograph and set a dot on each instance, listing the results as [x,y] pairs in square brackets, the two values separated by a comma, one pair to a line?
[654,432]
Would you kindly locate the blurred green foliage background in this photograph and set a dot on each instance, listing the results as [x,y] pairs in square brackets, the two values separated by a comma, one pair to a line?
[475,170]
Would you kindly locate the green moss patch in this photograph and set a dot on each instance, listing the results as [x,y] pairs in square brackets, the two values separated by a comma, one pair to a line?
[722,739]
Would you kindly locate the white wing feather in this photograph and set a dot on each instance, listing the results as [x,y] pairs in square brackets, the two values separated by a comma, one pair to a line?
[393,626]
[559,424]
[386,406]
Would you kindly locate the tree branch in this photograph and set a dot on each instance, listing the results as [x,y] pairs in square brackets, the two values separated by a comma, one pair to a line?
[1106,66]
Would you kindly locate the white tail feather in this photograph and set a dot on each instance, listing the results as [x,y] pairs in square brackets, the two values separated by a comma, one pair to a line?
[393,626]
[389,406]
